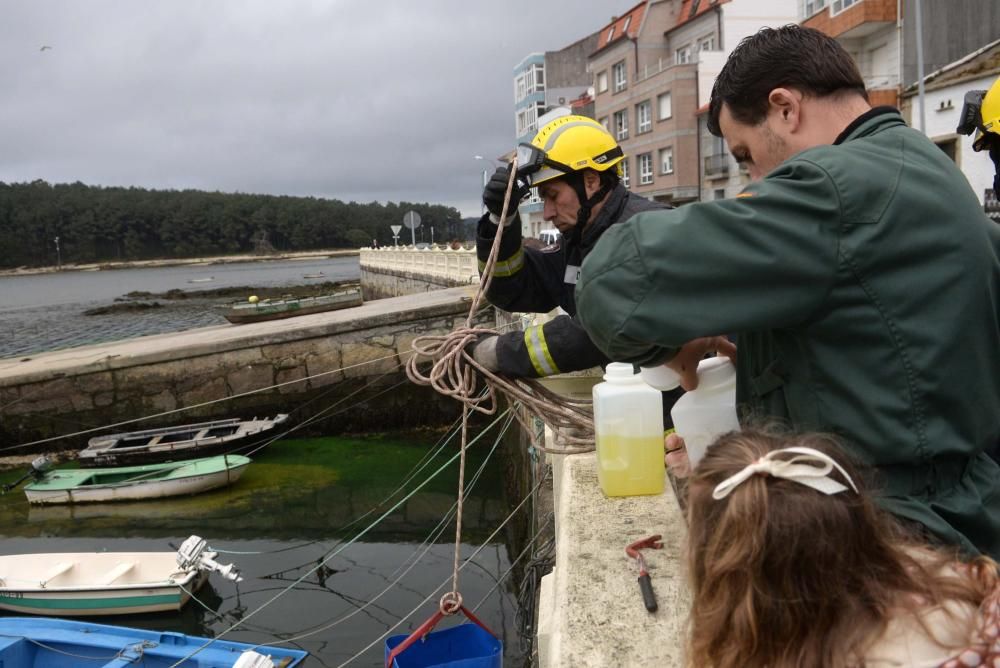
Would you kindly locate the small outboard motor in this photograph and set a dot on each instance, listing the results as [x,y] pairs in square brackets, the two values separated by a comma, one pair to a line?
[192,554]
[39,466]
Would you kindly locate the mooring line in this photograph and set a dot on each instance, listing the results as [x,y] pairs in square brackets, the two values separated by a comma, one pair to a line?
[342,547]
[444,583]
[421,553]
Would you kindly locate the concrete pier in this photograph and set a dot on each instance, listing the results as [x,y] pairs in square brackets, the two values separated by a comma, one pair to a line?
[55,393]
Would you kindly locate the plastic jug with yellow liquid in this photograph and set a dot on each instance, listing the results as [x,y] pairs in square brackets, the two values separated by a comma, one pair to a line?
[628,427]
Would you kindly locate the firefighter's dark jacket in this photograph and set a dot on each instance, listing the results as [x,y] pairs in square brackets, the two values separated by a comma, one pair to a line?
[535,281]
[863,279]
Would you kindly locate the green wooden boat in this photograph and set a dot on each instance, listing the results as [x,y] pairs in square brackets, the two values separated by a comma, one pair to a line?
[275,309]
[134,483]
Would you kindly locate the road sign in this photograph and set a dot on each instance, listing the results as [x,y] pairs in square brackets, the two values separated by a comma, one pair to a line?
[395,232]
[411,219]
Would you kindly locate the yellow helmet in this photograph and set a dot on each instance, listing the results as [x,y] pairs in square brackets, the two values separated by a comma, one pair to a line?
[989,115]
[981,114]
[566,145]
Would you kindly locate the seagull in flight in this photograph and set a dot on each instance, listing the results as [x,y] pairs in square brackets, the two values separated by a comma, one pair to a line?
[45,47]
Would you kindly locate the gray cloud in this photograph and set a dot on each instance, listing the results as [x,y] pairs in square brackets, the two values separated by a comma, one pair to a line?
[359,101]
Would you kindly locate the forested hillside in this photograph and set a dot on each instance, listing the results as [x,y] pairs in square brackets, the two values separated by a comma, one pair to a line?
[95,224]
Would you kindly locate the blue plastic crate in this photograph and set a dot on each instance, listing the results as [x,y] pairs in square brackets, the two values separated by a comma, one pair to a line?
[464,646]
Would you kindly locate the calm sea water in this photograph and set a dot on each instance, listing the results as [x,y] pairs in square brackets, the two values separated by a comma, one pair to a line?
[44,312]
[296,504]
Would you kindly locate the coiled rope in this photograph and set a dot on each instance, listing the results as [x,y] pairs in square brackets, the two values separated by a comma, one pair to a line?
[455,372]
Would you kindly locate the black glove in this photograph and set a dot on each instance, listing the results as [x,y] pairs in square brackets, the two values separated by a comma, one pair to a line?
[496,188]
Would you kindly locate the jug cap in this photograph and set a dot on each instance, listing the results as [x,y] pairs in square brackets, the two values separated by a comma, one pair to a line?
[715,371]
[660,377]
[619,371]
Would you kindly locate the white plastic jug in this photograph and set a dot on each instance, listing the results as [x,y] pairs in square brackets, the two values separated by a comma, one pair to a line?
[705,413]
[628,426]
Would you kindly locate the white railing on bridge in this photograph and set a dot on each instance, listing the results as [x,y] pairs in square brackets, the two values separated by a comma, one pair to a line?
[457,264]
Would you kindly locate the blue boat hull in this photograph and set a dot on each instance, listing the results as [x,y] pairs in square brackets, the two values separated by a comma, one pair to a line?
[39,642]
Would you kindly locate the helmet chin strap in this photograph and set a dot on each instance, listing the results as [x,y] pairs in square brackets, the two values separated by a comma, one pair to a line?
[995,157]
[587,204]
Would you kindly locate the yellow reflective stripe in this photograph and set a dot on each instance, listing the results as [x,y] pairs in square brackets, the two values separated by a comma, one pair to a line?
[538,351]
[508,267]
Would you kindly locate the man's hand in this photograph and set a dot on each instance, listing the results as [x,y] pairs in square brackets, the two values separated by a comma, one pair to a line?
[685,362]
[676,457]
[496,188]
[485,352]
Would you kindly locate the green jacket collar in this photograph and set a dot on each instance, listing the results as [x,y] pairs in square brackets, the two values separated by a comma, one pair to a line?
[873,120]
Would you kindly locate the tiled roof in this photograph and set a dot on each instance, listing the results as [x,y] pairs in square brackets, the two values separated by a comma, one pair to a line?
[692,9]
[625,25]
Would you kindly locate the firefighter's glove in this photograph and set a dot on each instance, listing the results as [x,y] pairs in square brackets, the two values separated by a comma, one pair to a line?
[496,188]
[485,352]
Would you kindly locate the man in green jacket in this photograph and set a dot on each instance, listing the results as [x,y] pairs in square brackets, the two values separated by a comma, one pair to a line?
[858,272]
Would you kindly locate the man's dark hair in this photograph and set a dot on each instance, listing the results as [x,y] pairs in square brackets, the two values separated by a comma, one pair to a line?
[791,57]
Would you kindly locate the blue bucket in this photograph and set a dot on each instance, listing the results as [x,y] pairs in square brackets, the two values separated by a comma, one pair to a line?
[463,646]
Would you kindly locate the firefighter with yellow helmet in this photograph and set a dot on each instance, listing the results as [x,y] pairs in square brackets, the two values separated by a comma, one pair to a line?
[576,166]
[981,114]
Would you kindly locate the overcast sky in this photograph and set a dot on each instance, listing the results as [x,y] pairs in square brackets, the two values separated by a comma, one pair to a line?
[383,100]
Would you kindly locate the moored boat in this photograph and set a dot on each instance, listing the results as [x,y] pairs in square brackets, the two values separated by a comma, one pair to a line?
[106,583]
[276,309]
[133,483]
[202,439]
[41,642]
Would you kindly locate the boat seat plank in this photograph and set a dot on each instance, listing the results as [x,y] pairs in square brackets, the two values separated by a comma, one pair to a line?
[117,572]
[56,571]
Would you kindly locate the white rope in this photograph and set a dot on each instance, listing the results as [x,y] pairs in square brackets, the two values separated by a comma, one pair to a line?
[333,554]
[427,598]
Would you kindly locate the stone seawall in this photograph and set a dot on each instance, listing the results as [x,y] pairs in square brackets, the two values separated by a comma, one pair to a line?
[345,366]
[383,283]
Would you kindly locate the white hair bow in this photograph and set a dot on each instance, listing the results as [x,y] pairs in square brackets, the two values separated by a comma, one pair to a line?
[808,467]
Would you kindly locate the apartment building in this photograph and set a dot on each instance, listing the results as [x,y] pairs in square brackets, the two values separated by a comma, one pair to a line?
[870,31]
[646,95]
[710,31]
[547,85]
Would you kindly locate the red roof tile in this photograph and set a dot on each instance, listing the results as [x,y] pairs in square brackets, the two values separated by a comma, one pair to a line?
[626,24]
[692,9]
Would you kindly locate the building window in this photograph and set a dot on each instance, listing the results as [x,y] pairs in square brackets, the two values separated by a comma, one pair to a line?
[611,33]
[621,125]
[667,160]
[950,148]
[618,74]
[719,193]
[624,164]
[841,5]
[643,117]
[664,110]
[707,43]
[604,121]
[628,20]
[602,81]
[527,118]
[682,56]
[530,80]
[813,6]
[645,169]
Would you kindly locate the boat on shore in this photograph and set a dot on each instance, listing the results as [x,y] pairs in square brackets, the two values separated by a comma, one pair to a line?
[106,583]
[135,483]
[201,439]
[41,642]
[276,309]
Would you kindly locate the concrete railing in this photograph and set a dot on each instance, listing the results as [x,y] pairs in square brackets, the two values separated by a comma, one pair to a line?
[458,265]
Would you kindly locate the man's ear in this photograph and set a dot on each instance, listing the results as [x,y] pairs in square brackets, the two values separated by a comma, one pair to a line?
[785,105]
[591,182]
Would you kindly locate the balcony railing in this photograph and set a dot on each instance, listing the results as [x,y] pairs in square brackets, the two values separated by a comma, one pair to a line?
[716,165]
